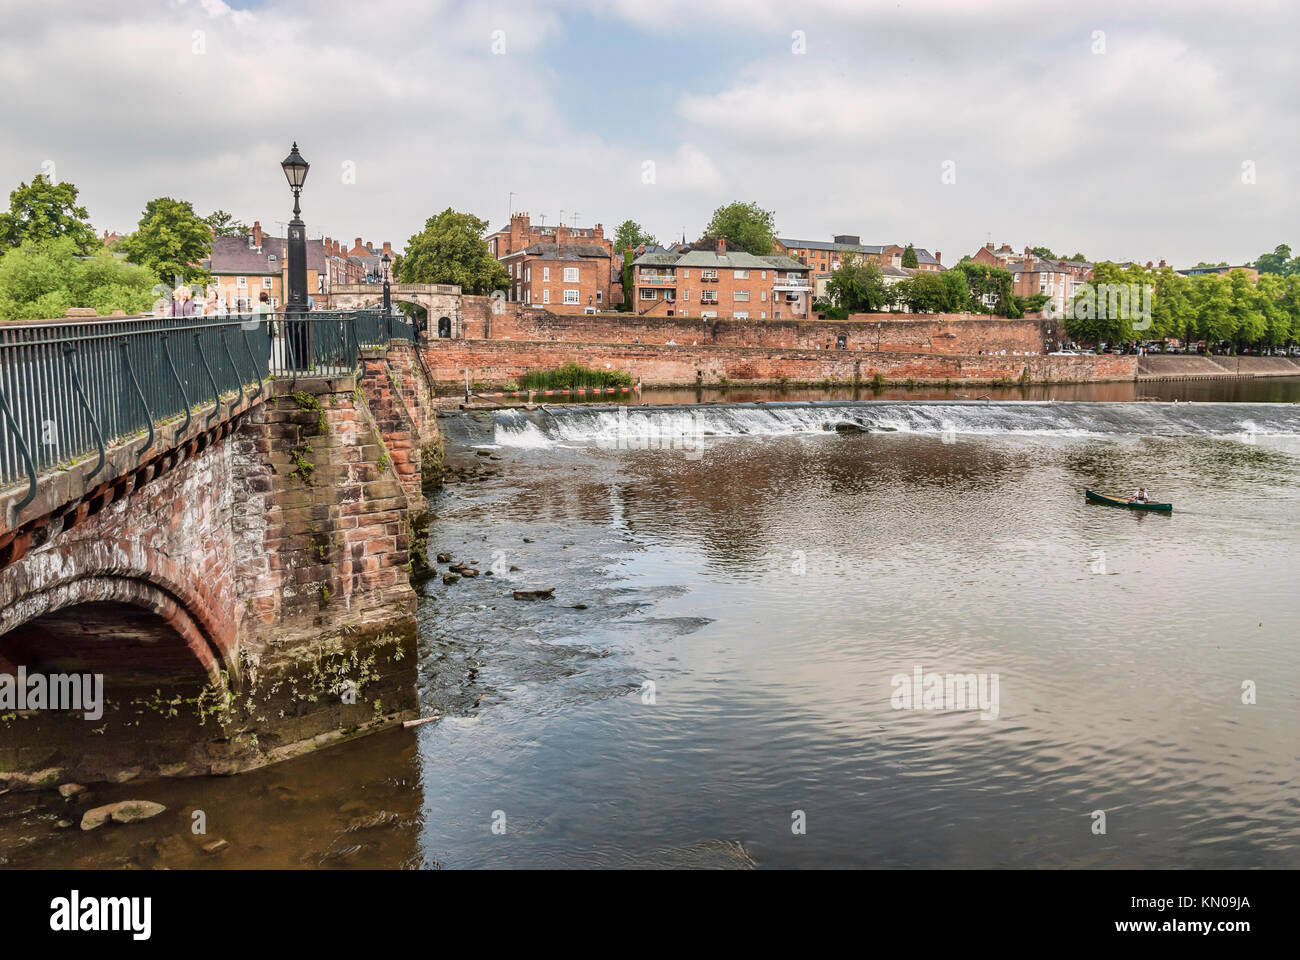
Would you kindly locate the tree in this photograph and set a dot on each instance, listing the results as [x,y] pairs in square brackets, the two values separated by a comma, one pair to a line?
[41,280]
[1214,316]
[43,210]
[1043,253]
[451,249]
[171,240]
[1249,324]
[858,286]
[1279,261]
[1173,314]
[745,226]
[630,234]
[225,225]
[933,292]
[909,257]
[986,282]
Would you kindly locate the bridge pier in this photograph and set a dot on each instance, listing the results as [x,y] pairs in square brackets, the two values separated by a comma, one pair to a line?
[246,600]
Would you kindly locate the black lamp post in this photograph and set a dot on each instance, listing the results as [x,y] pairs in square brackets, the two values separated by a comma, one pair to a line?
[388,294]
[295,171]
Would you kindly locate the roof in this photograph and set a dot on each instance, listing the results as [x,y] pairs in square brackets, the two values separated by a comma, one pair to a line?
[234,255]
[738,260]
[842,247]
[561,251]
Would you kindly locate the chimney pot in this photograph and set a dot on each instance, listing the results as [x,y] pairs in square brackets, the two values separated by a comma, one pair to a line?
[1162,264]
[722,246]
[938,257]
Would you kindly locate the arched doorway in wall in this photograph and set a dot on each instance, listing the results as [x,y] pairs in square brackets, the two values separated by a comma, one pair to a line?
[444,327]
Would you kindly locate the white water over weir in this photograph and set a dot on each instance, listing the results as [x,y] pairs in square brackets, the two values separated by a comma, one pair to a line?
[623,425]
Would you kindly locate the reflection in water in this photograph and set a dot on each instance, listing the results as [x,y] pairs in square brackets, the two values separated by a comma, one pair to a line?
[719,653]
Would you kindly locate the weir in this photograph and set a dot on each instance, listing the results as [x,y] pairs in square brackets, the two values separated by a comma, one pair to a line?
[615,425]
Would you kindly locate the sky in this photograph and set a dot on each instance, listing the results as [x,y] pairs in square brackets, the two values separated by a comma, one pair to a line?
[1124,130]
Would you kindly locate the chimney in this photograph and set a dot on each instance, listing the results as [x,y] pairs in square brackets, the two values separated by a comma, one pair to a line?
[1148,264]
[388,248]
[722,246]
[257,234]
[938,257]
[356,243]
[1162,264]
[989,245]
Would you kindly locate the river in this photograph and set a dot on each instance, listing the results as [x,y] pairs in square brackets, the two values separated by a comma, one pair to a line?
[738,589]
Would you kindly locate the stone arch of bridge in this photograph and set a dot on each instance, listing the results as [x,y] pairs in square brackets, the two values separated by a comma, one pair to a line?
[114,608]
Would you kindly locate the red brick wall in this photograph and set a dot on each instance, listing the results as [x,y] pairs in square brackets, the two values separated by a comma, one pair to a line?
[947,334]
[495,362]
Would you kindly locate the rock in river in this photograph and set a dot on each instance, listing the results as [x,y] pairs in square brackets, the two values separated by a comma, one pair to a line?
[543,593]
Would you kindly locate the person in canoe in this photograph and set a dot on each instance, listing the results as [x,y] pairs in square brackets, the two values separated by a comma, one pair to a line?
[1140,496]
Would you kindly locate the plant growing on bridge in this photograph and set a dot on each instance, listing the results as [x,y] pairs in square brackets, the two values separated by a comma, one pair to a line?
[303,468]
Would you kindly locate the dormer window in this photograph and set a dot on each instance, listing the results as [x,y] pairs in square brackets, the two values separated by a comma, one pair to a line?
[270,257]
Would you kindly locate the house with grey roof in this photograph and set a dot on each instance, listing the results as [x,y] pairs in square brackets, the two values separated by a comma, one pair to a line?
[721,283]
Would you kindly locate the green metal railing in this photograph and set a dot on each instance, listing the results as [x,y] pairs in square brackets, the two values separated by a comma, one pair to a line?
[71,389]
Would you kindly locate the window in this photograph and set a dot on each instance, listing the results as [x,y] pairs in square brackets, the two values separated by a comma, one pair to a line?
[686,294]
[599,296]
[546,296]
[546,273]
[740,274]
[570,296]
[647,293]
[686,274]
[528,273]
[740,295]
[570,275]
[708,296]
[763,295]
[266,283]
[764,274]
[708,274]
[741,315]
[270,258]
[241,283]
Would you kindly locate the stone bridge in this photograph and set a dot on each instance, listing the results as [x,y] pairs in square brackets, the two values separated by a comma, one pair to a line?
[241,580]
[439,301]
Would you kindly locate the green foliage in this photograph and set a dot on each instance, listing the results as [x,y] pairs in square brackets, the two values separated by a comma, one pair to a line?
[630,234]
[225,225]
[984,280]
[1279,261]
[42,211]
[745,226]
[451,249]
[171,240]
[858,286]
[933,292]
[909,257]
[1043,253]
[571,376]
[40,281]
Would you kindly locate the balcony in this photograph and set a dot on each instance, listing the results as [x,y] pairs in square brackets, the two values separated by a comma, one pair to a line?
[792,286]
[650,279]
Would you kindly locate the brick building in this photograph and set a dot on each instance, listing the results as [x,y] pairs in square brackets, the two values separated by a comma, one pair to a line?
[565,278]
[824,258]
[1031,274]
[243,267]
[715,283]
[522,232]
[600,287]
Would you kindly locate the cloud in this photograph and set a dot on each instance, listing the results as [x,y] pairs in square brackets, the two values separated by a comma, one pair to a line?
[1136,151]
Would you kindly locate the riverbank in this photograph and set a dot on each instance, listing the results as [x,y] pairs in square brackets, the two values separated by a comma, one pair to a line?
[1177,367]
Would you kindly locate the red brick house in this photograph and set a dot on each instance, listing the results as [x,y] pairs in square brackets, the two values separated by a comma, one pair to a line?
[715,283]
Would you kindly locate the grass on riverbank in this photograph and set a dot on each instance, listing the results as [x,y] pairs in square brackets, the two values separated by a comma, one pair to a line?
[572,376]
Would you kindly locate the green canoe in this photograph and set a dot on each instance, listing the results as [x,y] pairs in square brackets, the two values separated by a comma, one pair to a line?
[1125,502]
